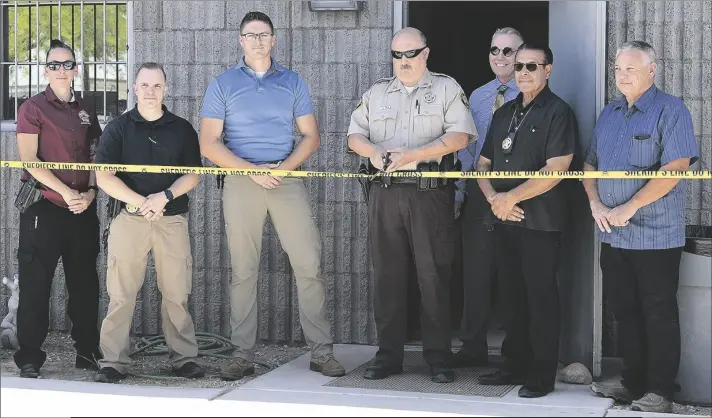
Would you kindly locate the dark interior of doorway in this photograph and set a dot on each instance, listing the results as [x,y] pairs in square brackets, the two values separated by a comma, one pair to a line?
[459,35]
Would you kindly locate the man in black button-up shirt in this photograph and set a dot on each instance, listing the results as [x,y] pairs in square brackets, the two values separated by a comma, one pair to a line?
[153,219]
[535,132]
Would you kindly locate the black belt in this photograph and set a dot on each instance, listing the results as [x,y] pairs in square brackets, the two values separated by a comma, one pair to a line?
[404,180]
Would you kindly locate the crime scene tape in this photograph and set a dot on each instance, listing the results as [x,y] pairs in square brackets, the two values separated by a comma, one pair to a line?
[677,174]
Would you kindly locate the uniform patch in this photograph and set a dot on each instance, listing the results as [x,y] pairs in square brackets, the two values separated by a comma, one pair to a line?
[429,97]
[464,99]
[84,116]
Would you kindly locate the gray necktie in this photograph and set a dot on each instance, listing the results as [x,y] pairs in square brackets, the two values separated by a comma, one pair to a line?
[499,100]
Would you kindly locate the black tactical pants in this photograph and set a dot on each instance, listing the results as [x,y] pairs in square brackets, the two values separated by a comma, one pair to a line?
[48,232]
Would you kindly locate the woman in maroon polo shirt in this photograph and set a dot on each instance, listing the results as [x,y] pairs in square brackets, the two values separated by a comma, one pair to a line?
[56,126]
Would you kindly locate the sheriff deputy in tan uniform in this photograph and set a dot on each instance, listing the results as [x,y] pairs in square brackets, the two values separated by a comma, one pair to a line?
[419,120]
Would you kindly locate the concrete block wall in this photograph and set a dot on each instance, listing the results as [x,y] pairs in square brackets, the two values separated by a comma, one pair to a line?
[681,33]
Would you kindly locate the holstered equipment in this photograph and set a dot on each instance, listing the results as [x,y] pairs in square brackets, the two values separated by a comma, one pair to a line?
[29,194]
[446,164]
[113,208]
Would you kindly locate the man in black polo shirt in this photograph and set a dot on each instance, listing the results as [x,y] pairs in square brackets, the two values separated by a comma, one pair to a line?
[154,219]
[535,132]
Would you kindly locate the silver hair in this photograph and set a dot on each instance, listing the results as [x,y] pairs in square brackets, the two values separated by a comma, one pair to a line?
[640,46]
[508,31]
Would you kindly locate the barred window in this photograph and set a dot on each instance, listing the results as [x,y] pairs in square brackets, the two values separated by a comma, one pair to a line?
[96,30]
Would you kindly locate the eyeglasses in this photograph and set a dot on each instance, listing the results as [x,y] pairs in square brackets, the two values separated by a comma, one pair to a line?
[54,65]
[531,66]
[408,54]
[257,36]
[507,51]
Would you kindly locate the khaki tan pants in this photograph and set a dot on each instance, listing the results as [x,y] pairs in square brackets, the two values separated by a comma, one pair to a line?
[245,207]
[131,238]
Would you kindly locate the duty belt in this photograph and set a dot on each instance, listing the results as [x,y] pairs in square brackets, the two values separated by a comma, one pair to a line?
[447,163]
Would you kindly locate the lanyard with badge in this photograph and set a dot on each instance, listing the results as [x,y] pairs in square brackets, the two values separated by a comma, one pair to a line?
[508,143]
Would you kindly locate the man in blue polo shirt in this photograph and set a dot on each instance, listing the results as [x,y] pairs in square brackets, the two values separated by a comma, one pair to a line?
[478,243]
[256,104]
[642,224]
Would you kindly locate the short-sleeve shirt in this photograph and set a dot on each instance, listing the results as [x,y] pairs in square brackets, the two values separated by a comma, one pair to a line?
[66,132]
[258,112]
[656,130]
[481,102]
[168,141]
[547,129]
[391,117]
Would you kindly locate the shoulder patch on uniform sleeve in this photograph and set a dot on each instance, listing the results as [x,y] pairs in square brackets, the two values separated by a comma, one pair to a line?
[464,99]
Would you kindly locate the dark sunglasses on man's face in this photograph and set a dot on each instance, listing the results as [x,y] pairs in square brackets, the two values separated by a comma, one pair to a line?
[54,65]
[531,66]
[507,51]
[408,54]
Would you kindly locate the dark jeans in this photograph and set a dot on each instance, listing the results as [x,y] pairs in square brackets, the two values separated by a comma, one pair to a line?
[642,285]
[479,273]
[527,263]
[48,232]
[412,231]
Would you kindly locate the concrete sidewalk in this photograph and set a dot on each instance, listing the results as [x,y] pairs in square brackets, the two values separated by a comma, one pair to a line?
[290,390]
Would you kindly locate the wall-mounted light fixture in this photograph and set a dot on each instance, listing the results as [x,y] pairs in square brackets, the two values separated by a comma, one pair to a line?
[331,5]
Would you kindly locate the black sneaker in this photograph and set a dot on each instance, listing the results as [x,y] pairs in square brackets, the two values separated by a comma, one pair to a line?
[108,375]
[190,370]
[30,371]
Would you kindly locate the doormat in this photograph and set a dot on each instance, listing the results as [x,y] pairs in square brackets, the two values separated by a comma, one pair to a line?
[416,378]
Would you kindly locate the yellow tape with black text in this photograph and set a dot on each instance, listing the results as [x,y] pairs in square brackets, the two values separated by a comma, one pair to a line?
[679,174]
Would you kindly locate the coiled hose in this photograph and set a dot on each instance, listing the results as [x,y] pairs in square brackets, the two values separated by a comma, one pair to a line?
[209,345]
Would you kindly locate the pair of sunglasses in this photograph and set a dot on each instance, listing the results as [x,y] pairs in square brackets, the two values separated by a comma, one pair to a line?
[408,54]
[530,66]
[507,51]
[55,65]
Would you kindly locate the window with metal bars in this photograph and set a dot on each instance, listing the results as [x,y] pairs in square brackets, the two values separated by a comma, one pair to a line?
[96,30]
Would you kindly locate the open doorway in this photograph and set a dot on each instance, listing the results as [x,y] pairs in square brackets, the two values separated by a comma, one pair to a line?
[459,36]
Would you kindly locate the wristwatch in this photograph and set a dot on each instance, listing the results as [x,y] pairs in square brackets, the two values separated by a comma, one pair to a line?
[169,194]
[94,187]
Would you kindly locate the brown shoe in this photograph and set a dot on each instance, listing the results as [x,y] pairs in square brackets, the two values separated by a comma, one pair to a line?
[327,365]
[237,369]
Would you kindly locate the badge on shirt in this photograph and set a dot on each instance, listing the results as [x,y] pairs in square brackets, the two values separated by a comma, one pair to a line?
[84,116]
[429,97]
[506,144]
